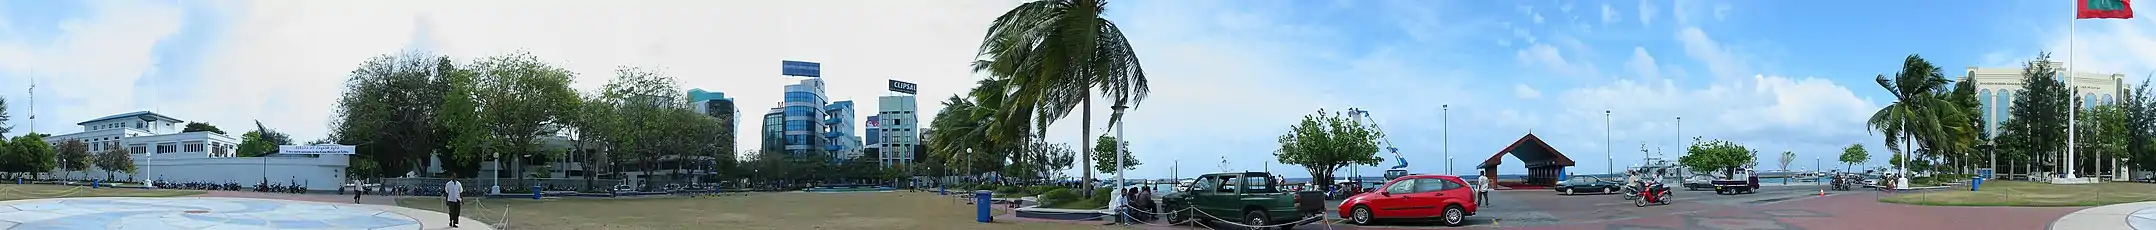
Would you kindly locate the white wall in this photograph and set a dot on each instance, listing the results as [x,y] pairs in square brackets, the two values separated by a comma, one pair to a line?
[318,173]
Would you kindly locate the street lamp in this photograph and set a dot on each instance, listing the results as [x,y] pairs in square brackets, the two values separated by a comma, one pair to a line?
[1606,149]
[1447,121]
[1119,152]
[148,150]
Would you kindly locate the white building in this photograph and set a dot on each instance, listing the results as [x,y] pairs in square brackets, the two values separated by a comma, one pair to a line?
[1997,88]
[161,151]
[896,132]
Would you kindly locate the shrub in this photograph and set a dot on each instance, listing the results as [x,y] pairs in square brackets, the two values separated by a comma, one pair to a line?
[1058,195]
[1013,190]
[1043,189]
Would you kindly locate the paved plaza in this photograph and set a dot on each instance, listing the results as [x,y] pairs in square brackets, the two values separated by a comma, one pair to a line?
[215,213]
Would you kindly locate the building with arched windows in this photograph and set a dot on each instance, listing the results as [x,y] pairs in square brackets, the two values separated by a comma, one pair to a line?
[1997,88]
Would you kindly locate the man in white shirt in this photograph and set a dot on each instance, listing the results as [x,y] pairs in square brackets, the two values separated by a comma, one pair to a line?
[1482,194]
[453,193]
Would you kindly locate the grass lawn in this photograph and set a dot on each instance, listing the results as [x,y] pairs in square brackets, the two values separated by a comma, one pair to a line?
[2032,194]
[792,210]
[41,191]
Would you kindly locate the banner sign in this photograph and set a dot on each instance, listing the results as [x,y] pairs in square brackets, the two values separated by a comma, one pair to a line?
[318,149]
[800,69]
[903,87]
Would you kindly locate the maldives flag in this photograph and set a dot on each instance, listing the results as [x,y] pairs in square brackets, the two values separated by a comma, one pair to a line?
[2099,9]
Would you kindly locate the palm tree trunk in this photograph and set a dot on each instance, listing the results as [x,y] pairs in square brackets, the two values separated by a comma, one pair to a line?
[1085,132]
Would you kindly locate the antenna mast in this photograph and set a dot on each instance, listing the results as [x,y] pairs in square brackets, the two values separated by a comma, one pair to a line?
[33,105]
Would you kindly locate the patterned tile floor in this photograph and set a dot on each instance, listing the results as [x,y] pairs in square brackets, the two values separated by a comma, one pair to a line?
[212,213]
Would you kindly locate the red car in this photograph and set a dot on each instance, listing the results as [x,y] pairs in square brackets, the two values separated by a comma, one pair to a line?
[1444,197]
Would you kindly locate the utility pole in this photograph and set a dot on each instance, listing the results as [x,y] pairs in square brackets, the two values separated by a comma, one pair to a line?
[1447,130]
[1606,142]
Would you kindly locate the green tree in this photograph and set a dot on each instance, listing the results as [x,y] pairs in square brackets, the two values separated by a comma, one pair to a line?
[520,98]
[73,155]
[1913,115]
[1854,154]
[202,127]
[1104,155]
[2104,137]
[115,160]
[2037,120]
[645,97]
[1716,156]
[388,110]
[1787,157]
[2140,125]
[1325,142]
[252,145]
[4,127]
[593,121]
[1055,53]
[32,154]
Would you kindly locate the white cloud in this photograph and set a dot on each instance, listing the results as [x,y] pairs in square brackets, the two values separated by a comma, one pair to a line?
[1642,64]
[1556,61]
[1566,8]
[1646,13]
[2105,46]
[1537,18]
[1525,92]
[97,57]
[1717,57]
[1809,115]
[1609,15]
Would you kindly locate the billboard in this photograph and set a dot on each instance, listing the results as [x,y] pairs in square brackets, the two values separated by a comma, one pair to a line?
[873,123]
[318,149]
[800,69]
[903,87]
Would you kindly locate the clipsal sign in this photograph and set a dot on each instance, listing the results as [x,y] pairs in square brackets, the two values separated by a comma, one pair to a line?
[318,149]
[903,87]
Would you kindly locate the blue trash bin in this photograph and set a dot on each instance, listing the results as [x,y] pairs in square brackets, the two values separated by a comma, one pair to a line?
[980,202]
[535,192]
[1975,182]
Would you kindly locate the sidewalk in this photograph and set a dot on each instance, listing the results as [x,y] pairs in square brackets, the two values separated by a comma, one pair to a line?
[2128,216]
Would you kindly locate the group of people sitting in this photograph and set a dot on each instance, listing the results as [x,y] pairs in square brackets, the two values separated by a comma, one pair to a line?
[1140,199]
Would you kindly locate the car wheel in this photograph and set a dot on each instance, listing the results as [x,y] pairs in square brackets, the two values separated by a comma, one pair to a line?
[1360,215]
[1454,215]
[1177,217]
[1568,191]
[1256,218]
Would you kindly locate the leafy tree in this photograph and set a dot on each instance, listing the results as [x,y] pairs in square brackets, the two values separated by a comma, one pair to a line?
[1854,154]
[73,155]
[520,98]
[2037,120]
[252,145]
[465,139]
[202,127]
[1104,155]
[388,110]
[593,120]
[1716,156]
[31,155]
[1914,113]
[645,98]
[2140,125]
[1787,157]
[2104,136]
[115,160]
[1325,142]
[1055,53]
[4,127]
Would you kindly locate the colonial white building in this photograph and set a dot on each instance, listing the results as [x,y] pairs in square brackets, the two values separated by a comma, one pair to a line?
[161,151]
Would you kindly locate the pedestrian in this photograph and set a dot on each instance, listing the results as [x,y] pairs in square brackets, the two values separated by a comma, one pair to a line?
[356,191]
[453,195]
[1482,195]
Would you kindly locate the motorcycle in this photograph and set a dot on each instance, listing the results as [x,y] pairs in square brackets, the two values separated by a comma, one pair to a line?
[1655,193]
[1631,191]
[1842,183]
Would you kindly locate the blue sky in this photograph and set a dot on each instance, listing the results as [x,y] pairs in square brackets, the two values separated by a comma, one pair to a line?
[1228,76]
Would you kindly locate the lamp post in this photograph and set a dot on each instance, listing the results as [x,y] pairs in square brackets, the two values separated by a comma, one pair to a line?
[149,150]
[1119,153]
[1606,149]
[1447,130]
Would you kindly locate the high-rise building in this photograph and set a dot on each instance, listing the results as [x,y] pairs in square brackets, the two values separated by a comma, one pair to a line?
[774,133]
[839,119]
[1997,88]
[804,117]
[896,124]
[872,133]
[717,105]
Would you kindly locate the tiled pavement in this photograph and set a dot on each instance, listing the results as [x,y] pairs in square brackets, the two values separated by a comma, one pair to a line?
[213,213]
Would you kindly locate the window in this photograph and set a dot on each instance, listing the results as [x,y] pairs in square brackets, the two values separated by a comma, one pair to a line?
[1428,185]
[193,147]
[167,148]
[138,148]
[1258,184]
[1402,187]
[1223,184]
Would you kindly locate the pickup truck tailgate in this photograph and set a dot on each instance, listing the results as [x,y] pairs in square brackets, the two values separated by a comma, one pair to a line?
[1310,203]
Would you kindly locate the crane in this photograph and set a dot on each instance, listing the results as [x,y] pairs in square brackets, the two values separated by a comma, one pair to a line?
[1396,171]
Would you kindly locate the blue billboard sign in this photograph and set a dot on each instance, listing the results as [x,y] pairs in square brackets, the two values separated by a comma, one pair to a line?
[801,69]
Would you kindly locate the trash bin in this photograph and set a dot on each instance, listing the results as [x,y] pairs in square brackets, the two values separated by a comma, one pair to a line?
[1975,182]
[980,202]
[535,192]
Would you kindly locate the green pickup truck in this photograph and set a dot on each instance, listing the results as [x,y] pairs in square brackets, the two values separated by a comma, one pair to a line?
[1246,198]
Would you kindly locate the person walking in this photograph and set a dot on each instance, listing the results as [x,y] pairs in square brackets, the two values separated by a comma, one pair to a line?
[453,195]
[356,191]
[1482,195]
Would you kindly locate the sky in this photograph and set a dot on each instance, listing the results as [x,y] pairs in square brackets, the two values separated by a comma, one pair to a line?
[1228,77]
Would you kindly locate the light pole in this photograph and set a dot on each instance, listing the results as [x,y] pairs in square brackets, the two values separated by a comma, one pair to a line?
[1606,149]
[149,151]
[1119,145]
[1447,130]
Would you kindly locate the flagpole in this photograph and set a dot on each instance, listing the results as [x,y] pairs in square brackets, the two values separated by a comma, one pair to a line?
[2073,27]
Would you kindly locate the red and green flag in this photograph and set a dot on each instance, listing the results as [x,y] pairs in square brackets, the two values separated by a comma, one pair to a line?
[2101,9]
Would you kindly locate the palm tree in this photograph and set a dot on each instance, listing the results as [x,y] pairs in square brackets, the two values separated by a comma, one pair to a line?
[1911,115]
[1054,53]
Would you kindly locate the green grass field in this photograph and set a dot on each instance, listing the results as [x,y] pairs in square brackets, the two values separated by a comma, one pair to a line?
[39,191]
[2032,194]
[790,210]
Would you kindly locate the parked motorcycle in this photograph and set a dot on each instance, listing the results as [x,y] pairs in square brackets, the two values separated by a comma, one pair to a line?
[1631,191]
[1654,193]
